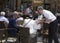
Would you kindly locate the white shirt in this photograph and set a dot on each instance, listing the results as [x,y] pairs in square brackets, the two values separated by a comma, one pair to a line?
[38,26]
[30,25]
[49,15]
[2,18]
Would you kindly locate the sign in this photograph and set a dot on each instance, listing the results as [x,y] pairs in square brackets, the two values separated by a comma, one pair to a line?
[37,2]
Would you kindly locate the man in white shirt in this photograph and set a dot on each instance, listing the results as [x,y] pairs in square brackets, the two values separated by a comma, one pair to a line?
[2,18]
[51,19]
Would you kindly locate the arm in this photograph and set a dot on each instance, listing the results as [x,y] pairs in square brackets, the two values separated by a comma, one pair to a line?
[48,21]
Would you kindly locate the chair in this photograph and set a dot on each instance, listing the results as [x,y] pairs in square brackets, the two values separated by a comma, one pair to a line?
[24,35]
[44,33]
[3,25]
[44,36]
[59,28]
[3,30]
[12,39]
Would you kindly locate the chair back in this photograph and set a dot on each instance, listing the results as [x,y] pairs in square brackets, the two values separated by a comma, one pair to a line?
[3,25]
[3,30]
[1,33]
[24,35]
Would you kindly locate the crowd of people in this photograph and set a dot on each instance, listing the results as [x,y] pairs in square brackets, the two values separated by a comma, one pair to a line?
[33,19]
[15,19]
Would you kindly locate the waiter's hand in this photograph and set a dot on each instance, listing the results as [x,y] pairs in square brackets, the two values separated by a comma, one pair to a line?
[48,21]
[41,21]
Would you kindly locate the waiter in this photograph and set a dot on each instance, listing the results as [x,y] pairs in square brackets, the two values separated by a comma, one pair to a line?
[51,19]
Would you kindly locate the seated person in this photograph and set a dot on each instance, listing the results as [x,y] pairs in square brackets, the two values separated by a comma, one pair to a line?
[2,18]
[19,21]
[12,24]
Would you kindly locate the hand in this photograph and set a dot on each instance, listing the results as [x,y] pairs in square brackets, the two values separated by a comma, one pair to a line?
[48,21]
[41,21]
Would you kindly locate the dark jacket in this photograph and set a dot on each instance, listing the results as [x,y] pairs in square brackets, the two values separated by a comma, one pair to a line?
[12,24]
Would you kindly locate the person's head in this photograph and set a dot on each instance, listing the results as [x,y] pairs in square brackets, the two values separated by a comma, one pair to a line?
[30,6]
[15,14]
[2,13]
[40,9]
[10,14]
